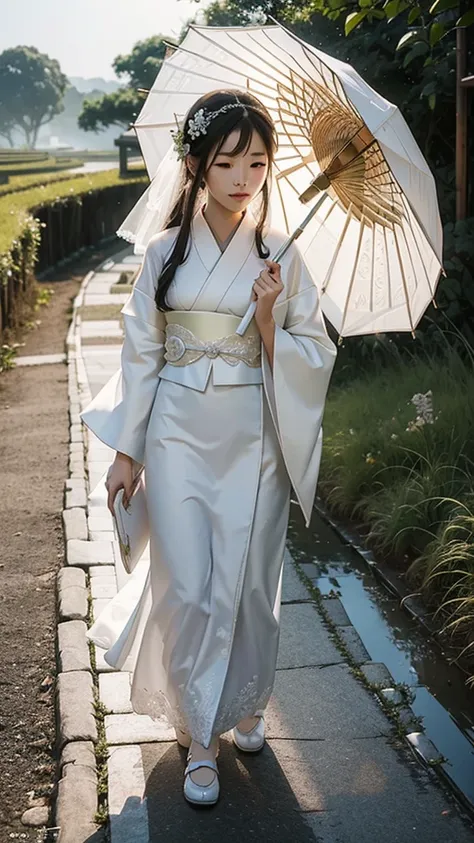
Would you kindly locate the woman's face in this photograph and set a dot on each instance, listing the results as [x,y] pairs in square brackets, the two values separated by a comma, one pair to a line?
[234,181]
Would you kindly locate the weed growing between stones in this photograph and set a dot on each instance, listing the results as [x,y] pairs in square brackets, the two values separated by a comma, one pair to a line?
[100,711]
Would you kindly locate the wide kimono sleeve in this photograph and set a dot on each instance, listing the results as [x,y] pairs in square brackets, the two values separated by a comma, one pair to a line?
[304,358]
[119,413]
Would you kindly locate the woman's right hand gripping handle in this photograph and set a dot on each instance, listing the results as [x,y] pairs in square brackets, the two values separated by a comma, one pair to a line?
[119,476]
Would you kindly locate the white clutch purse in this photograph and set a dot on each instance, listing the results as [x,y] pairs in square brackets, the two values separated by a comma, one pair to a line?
[131,523]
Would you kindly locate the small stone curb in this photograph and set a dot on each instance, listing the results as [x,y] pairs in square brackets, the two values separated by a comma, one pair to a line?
[72,594]
[75,707]
[78,753]
[75,522]
[73,647]
[76,804]
[77,797]
[75,489]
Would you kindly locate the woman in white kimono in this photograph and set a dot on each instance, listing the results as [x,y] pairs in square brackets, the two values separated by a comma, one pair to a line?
[224,426]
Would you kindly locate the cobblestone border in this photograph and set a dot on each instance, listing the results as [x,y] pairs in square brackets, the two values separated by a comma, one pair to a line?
[92,797]
[395,699]
[76,803]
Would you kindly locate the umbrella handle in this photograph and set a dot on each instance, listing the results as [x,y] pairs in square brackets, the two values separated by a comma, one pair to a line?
[246,319]
[248,316]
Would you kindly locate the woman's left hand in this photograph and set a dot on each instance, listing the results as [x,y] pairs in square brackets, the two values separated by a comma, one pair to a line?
[266,289]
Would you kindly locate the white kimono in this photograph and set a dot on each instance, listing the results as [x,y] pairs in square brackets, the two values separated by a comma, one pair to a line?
[221,444]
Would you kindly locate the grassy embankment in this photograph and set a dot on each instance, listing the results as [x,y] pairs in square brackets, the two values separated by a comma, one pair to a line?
[15,207]
[20,236]
[16,165]
[406,477]
[17,183]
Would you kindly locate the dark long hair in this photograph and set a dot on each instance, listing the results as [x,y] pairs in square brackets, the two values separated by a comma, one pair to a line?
[255,118]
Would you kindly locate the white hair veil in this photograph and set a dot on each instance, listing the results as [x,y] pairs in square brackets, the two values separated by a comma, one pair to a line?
[150,214]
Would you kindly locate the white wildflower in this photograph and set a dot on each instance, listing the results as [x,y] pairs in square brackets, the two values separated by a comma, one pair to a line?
[423,403]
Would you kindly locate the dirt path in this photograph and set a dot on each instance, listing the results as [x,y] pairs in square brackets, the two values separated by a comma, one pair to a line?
[34,436]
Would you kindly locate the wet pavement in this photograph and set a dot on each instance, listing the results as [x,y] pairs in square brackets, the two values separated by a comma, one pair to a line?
[440,696]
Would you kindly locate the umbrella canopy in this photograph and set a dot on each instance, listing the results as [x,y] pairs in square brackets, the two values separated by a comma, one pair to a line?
[374,247]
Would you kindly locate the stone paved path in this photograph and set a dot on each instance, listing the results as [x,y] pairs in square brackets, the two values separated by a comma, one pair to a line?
[331,771]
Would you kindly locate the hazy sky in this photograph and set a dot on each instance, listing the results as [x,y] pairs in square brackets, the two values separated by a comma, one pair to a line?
[86,35]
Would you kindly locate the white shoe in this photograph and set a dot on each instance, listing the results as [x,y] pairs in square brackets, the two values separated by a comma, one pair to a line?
[201,794]
[253,740]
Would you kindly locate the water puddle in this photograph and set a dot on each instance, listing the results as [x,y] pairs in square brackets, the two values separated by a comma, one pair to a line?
[393,638]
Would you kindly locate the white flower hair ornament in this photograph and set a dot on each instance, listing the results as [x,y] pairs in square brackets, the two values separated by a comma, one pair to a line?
[198,124]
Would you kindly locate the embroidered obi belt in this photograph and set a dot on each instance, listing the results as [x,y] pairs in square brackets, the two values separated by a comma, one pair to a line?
[198,342]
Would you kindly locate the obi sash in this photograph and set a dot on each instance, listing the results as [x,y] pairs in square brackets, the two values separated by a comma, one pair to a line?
[200,342]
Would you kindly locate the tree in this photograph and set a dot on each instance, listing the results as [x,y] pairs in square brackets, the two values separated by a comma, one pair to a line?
[245,12]
[7,125]
[119,109]
[32,87]
[143,63]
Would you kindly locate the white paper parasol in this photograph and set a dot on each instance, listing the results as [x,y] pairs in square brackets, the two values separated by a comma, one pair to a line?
[374,242]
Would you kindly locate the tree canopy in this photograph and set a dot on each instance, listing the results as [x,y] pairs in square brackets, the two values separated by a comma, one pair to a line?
[117,109]
[140,68]
[32,88]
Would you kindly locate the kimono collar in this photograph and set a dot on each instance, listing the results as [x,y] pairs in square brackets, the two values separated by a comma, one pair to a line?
[208,249]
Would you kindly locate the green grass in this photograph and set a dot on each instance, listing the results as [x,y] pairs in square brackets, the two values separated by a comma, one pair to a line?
[16,206]
[17,183]
[445,572]
[375,470]
[21,155]
[410,490]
